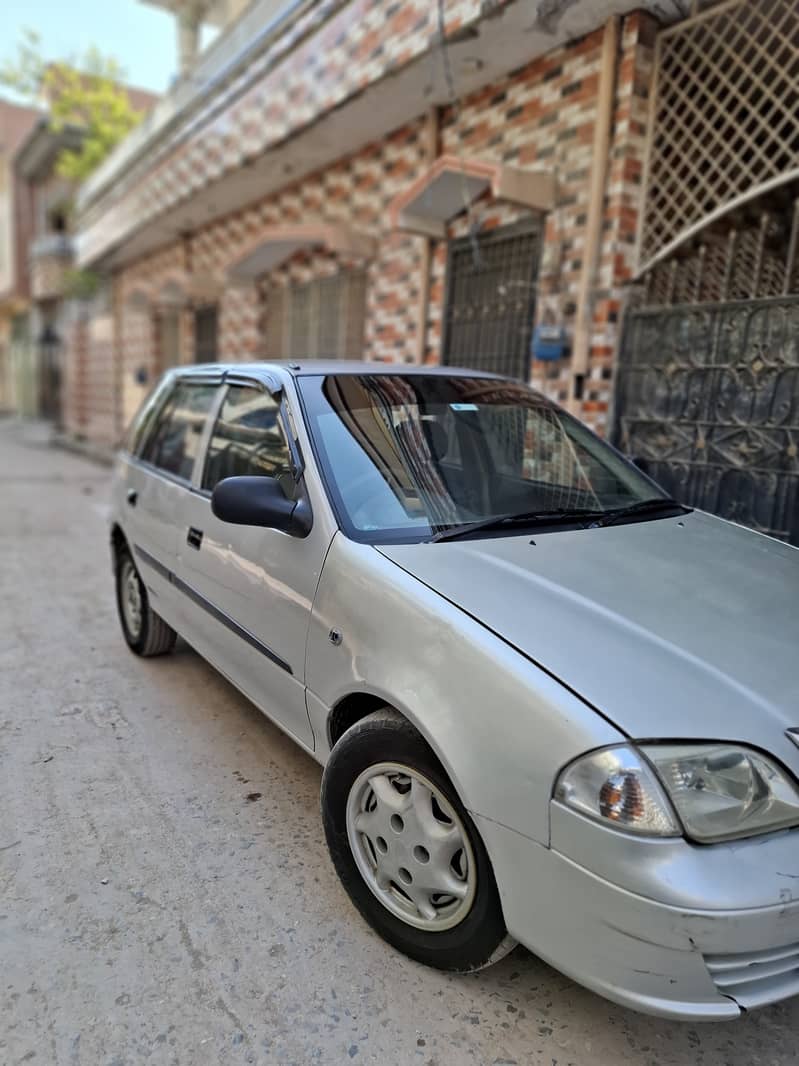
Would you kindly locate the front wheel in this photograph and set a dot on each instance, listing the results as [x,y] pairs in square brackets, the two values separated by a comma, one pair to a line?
[407,851]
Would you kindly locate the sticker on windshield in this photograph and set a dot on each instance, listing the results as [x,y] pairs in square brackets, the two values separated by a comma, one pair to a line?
[463,406]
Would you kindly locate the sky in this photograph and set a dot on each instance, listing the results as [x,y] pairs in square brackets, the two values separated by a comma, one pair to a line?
[140,37]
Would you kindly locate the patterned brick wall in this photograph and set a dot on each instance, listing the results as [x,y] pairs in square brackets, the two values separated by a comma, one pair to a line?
[540,116]
[325,58]
[89,387]
[74,377]
[356,191]
[99,403]
[544,116]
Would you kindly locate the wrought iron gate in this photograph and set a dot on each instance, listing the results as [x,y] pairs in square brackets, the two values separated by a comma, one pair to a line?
[707,402]
[491,285]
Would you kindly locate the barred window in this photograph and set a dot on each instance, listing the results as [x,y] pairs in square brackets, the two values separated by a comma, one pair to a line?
[206,334]
[168,338]
[320,319]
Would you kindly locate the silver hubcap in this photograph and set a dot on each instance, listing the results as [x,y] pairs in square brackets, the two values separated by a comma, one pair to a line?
[411,847]
[130,596]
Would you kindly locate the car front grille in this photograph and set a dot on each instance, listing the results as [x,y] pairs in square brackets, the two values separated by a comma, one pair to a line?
[754,978]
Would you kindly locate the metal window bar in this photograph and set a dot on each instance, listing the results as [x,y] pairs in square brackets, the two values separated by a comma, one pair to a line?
[491,295]
[757,260]
[319,319]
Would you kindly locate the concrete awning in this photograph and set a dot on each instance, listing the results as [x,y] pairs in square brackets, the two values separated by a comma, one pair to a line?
[438,195]
[203,287]
[276,244]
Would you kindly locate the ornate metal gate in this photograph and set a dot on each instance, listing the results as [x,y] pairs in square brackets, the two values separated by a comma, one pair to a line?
[707,402]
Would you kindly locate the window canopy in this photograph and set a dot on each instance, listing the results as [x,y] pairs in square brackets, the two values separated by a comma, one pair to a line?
[276,244]
[450,183]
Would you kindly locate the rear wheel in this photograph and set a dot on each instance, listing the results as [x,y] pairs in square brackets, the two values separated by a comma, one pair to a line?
[146,633]
[407,851]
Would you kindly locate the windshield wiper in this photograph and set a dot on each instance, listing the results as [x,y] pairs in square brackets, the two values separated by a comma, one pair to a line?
[600,518]
[657,503]
[528,517]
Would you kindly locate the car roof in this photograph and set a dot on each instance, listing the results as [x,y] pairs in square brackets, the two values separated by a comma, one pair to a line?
[268,370]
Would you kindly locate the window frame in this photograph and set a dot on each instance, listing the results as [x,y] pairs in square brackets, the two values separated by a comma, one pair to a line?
[151,405]
[170,385]
[216,410]
[278,394]
[351,296]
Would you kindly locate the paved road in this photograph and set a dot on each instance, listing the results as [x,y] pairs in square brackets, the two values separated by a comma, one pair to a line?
[150,912]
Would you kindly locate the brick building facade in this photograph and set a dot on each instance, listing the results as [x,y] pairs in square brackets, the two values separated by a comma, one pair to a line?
[428,182]
[539,117]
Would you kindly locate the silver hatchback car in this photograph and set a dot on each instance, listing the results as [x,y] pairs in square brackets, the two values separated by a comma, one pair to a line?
[553,705]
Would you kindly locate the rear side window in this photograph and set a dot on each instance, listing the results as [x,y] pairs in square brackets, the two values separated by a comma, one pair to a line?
[144,421]
[247,438]
[175,438]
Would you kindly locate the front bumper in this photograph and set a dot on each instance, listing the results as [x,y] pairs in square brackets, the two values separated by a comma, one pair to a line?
[663,927]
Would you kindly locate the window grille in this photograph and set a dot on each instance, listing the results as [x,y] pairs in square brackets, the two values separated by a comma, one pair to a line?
[752,255]
[724,122]
[491,291]
[320,319]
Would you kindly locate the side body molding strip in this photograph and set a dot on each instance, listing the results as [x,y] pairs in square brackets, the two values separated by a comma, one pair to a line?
[211,608]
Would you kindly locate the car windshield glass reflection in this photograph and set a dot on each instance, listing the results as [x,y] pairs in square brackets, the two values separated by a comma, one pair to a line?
[410,455]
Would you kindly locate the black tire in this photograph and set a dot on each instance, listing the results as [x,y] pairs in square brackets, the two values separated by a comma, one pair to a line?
[154,637]
[480,938]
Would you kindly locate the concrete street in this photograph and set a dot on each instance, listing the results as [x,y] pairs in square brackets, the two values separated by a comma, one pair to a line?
[165,890]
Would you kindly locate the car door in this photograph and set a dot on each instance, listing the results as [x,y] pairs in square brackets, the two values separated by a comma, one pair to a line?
[253,588]
[158,479]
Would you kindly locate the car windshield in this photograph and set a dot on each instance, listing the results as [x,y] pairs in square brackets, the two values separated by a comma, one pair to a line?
[409,456]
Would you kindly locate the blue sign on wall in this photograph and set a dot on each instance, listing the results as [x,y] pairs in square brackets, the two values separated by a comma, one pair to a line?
[548,342]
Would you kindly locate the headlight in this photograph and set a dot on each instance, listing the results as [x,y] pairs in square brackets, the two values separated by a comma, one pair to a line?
[721,791]
[617,786]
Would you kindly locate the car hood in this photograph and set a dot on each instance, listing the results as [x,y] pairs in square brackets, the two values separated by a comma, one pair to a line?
[675,627]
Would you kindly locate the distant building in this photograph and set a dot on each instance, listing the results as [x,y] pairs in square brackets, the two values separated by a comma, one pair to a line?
[333,177]
[43,203]
[16,224]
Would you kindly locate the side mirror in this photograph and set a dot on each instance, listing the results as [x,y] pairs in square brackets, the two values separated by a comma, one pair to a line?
[260,501]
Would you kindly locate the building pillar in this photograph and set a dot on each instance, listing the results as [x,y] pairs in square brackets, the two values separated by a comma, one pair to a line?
[189,22]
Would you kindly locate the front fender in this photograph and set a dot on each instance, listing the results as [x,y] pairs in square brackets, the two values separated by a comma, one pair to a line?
[501,727]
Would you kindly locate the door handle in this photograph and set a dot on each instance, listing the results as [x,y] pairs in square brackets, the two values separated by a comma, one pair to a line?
[132,497]
[194,537]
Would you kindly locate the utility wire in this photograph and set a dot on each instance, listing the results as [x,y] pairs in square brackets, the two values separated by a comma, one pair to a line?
[455,104]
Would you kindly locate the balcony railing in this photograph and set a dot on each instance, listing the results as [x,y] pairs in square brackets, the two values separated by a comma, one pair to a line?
[227,56]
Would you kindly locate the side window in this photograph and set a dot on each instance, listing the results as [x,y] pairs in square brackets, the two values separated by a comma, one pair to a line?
[247,438]
[175,440]
[143,422]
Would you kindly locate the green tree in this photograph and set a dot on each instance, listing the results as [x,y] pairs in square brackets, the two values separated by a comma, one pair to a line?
[84,92]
